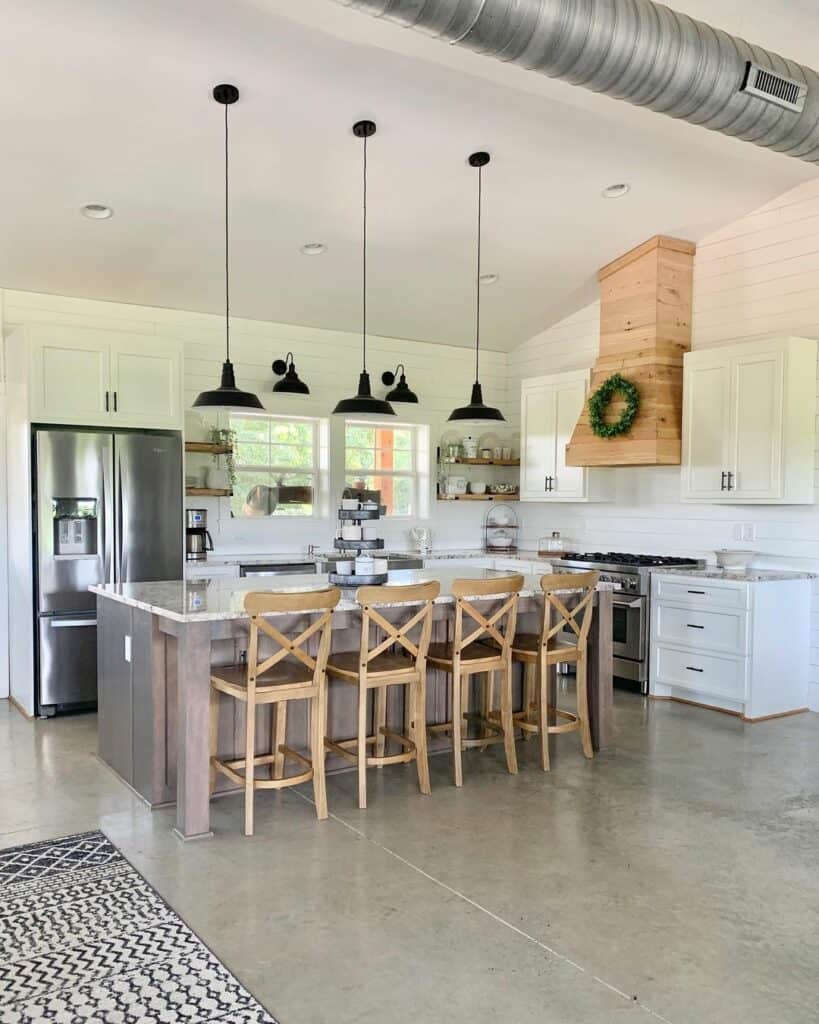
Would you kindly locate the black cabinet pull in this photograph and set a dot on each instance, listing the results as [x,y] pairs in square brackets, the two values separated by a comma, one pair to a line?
[115,401]
[549,483]
[691,625]
[722,485]
[696,592]
[730,481]
[106,402]
[692,669]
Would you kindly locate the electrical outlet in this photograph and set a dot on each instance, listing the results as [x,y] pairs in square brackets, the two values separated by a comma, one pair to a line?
[737,532]
[749,531]
[127,653]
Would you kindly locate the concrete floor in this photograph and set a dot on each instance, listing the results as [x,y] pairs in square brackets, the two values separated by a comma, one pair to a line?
[673,879]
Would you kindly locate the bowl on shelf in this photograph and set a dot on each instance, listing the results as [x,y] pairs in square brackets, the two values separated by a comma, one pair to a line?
[477,487]
[501,539]
[735,560]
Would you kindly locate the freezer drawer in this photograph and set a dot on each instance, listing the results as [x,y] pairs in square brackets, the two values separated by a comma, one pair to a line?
[68,661]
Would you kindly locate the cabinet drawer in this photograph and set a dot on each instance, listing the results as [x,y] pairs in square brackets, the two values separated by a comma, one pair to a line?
[710,630]
[700,593]
[703,673]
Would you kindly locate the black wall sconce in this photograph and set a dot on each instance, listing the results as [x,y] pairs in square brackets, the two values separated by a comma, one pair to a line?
[402,391]
[290,383]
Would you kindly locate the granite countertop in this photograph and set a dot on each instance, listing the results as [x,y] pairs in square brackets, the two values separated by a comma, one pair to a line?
[290,557]
[218,599]
[711,572]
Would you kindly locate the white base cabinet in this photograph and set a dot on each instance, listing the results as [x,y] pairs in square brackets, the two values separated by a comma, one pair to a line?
[94,378]
[731,644]
[749,423]
[549,410]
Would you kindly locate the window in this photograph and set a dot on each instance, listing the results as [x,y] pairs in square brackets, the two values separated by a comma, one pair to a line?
[391,458]
[276,461]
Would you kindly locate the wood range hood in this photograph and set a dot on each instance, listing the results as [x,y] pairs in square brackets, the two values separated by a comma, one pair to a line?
[645,328]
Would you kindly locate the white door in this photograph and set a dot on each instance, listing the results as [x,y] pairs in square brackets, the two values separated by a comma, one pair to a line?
[569,481]
[69,378]
[537,453]
[757,426]
[706,424]
[146,382]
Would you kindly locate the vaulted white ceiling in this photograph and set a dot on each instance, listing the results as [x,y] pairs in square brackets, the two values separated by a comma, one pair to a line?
[109,101]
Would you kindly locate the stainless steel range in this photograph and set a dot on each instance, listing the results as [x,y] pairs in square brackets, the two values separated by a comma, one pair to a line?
[632,611]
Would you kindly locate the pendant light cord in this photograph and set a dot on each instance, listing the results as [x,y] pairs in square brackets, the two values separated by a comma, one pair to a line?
[364,265]
[478,284]
[227,245]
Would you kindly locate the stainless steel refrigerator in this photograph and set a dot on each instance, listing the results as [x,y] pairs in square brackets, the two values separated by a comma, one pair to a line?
[108,509]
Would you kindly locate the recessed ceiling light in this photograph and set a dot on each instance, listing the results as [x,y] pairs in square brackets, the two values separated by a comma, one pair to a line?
[616,191]
[313,249]
[96,211]
[489,278]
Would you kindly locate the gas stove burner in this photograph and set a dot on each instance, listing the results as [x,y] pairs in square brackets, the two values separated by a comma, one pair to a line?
[625,559]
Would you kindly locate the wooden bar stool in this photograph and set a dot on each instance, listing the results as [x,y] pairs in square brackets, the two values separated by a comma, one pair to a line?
[377,668]
[539,653]
[472,653]
[290,673]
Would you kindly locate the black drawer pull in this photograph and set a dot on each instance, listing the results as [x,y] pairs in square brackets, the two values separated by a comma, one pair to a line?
[692,669]
[691,625]
[697,592]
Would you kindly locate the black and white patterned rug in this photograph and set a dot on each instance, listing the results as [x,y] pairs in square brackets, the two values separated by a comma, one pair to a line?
[84,938]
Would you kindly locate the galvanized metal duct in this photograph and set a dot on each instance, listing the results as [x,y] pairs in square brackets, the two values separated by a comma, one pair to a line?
[639,51]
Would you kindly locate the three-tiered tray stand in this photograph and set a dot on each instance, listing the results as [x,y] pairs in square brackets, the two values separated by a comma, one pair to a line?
[357,517]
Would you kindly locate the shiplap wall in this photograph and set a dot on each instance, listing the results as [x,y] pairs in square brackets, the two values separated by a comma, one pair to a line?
[755,278]
[329,361]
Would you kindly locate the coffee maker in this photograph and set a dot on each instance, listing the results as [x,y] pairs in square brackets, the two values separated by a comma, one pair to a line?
[198,542]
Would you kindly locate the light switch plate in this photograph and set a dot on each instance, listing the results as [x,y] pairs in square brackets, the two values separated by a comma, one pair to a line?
[748,531]
[127,647]
[737,533]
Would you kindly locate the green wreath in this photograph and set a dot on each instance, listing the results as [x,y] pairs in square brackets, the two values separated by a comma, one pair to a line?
[599,402]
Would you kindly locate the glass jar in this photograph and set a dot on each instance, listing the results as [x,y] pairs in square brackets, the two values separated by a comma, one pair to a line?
[551,545]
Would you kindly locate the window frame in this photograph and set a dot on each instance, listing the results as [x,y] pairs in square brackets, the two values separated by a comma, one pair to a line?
[418,475]
[319,470]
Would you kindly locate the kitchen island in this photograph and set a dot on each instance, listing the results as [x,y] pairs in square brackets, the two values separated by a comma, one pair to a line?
[158,641]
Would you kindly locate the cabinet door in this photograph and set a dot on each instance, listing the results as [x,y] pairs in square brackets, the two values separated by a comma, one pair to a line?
[707,416]
[757,431]
[69,378]
[537,455]
[569,481]
[146,382]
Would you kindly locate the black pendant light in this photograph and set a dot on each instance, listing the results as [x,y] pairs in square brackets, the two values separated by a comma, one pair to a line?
[402,391]
[363,403]
[290,383]
[227,395]
[476,410]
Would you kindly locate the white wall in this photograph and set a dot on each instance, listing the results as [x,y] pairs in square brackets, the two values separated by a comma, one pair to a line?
[756,278]
[329,362]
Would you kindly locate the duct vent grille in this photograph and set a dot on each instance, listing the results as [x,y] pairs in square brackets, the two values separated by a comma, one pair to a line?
[767,85]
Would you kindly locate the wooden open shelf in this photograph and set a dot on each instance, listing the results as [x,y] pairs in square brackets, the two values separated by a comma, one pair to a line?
[208,492]
[482,462]
[478,497]
[208,447]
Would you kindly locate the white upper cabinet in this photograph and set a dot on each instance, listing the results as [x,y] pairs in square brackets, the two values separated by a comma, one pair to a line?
[549,410]
[749,423]
[146,382]
[104,378]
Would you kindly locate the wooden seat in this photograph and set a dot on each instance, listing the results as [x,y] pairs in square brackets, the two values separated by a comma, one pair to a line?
[469,653]
[562,612]
[395,659]
[289,673]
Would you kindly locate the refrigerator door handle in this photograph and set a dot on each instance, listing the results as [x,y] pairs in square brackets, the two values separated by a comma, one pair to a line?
[107,518]
[120,528]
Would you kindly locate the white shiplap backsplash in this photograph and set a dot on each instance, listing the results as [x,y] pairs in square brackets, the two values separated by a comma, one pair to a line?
[756,278]
[329,361]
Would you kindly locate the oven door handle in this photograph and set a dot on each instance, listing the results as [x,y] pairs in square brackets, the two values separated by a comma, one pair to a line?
[630,604]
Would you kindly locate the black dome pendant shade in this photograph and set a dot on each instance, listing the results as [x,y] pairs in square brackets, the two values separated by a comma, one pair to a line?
[290,383]
[476,410]
[227,395]
[363,402]
[402,391]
